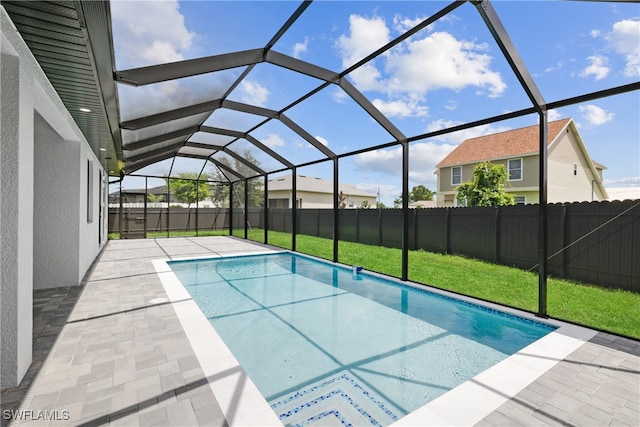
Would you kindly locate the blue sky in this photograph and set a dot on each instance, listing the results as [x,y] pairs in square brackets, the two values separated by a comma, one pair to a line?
[451,72]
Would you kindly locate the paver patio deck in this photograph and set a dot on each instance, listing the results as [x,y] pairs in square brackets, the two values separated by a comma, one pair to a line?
[124,358]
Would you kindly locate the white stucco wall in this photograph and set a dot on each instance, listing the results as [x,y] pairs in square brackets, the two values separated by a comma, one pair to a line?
[16,191]
[56,217]
[43,159]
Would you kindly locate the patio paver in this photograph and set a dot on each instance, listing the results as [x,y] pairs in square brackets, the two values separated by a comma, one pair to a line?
[123,358]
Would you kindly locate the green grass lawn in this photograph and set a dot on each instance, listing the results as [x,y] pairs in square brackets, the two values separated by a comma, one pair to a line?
[607,309]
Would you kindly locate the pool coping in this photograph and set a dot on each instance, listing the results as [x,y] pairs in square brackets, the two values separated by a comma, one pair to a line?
[467,404]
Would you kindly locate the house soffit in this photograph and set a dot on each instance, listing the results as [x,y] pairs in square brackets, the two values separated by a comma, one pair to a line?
[71,41]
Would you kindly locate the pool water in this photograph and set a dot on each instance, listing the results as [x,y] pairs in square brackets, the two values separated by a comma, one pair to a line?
[326,345]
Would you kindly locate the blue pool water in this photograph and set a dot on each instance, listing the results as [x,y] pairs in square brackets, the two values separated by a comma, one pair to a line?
[325,345]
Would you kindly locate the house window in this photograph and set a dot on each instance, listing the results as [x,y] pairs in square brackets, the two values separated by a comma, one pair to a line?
[456,175]
[520,200]
[278,203]
[515,170]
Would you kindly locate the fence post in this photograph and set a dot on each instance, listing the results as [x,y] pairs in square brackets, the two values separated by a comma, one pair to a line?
[563,244]
[415,229]
[448,233]
[266,209]
[357,225]
[496,256]
[379,227]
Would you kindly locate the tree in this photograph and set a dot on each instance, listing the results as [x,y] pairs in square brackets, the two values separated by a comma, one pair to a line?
[420,192]
[189,187]
[486,188]
[221,187]
[155,198]
[417,193]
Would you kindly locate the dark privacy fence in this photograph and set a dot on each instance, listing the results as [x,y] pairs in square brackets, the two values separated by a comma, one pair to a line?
[596,242]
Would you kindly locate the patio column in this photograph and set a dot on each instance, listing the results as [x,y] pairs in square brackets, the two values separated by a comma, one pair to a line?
[294,207]
[266,208]
[405,210]
[542,217]
[16,218]
[336,213]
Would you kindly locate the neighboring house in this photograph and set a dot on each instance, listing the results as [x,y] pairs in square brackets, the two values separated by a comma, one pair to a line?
[572,175]
[137,195]
[315,193]
[623,193]
[423,204]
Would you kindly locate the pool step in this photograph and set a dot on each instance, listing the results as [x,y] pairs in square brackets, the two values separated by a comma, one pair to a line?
[339,400]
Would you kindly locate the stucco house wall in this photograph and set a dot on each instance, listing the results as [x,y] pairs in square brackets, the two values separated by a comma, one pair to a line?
[314,193]
[46,171]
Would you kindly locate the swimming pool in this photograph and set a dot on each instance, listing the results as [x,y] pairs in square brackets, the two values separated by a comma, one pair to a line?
[322,343]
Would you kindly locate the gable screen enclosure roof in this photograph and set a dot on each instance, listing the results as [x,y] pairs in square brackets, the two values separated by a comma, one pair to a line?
[206,111]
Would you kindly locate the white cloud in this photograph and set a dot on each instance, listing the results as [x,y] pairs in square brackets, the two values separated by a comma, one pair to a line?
[598,67]
[559,65]
[322,141]
[595,115]
[632,181]
[366,35]
[272,140]
[553,115]
[367,78]
[452,64]
[386,191]
[300,48]
[144,36]
[253,93]
[624,38]
[401,108]
[402,75]
[382,161]
[338,95]
[424,157]
[455,138]
[402,24]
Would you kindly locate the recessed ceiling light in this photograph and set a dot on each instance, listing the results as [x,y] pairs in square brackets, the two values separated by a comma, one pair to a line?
[85,110]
